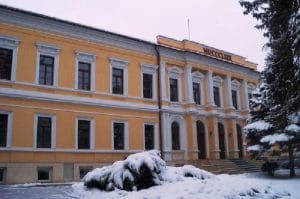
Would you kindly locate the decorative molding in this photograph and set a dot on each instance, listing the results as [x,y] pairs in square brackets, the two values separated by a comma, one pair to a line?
[175,72]
[48,48]
[85,56]
[198,77]
[53,129]
[150,69]
[14,93]
[123,65]
[235,85]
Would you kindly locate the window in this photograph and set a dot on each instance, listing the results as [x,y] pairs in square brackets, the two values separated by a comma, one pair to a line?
[44,173]
[149,136]
[46,70]
[217,96]
[5,63]
[117,81]
[44,131]
[175,136]
[83,170]
[84,129]
[147,85]
[84,76]
[234,99]
[173,90]
[8,57]
[3,129]
[119,135]
[197,92]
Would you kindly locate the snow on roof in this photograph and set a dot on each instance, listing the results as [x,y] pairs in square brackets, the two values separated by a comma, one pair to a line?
[275,138]
[258,125]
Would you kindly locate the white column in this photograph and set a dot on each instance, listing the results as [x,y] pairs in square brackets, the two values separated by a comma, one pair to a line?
[245,92]
[228,91]
[210,88]
[189,84]
[163,93]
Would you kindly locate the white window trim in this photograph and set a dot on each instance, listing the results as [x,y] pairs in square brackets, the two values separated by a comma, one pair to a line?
[126,135]
[155,134]
[119,64]
[92,132]
[217,82]
[53,129]
[86,58]
[250,88]
[47,50]
[151,70]
[199,78]
[175,73]
[9,128]
[12,44]
[235,86]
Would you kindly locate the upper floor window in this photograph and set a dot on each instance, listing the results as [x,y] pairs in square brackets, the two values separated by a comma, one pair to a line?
[119,76]
[173,90]
[85,71]
[117,81]
[8,57]
[47,64]
[46,70]
[149,136]
[148,81]
[217,96]
[147,85]
[217,90]
[5,63]
[44,131]
[197,87]
[197,93]
[175,75]
[84,76]
[234,99]
[235,85]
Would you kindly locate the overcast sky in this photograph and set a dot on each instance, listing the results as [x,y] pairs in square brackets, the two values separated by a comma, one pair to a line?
[217,23]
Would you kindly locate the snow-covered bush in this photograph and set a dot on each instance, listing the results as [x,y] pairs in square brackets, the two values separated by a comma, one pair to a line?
[139,171]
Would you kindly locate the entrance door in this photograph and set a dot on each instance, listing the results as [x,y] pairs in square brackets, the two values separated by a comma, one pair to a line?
[221,133]
[201,140]
[239,140]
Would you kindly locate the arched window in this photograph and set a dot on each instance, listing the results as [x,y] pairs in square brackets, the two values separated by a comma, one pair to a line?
[222,148]
[240,140]
[175,136]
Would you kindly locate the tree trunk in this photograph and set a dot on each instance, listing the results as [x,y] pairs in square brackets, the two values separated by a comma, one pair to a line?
[291,160]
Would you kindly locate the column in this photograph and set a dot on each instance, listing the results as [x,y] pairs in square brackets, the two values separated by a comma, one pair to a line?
[189,84]
[210,88]
[228,92]
[235,150]
[163,93]
[245,93]
[166,140]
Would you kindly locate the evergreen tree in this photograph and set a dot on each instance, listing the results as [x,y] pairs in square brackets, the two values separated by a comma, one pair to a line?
[281,77]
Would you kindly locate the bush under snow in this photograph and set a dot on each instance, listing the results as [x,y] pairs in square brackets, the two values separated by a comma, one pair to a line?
[140,171]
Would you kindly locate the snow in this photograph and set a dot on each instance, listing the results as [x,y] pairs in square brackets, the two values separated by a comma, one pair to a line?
[244,186]
[258,125]
[293,128]
[130,174]
[272,139]
[256,147]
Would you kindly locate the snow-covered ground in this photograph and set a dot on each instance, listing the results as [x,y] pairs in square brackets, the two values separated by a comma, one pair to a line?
[220,187]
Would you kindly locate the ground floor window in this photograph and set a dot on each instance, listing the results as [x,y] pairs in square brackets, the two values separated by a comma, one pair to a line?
[83,170]
[119,136]
[44,131]
[2,170]
[44,173]
[84,129]
[175,136]
[149,136]
[3,129]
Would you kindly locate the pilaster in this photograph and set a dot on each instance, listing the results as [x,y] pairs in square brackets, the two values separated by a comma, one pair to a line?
[210,88]
[189,84]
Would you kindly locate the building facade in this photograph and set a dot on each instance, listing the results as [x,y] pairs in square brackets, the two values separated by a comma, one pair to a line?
[73,98]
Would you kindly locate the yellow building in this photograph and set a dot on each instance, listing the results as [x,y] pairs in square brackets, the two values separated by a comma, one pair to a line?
[73,97]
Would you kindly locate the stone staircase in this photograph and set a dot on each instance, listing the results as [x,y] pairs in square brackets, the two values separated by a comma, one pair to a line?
[228,166]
